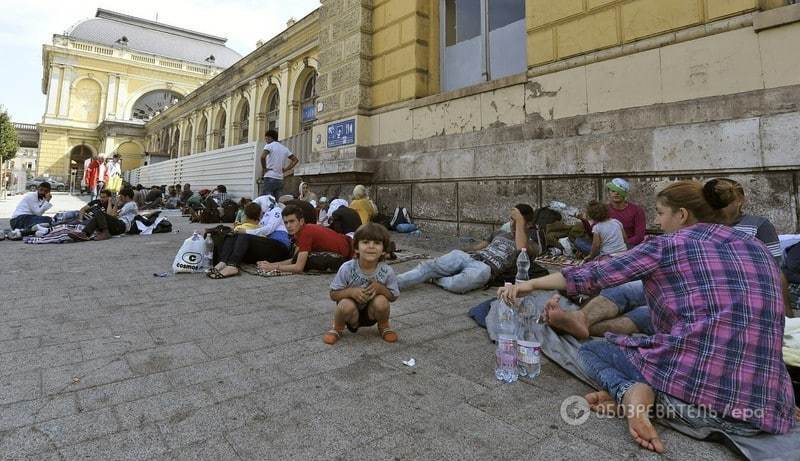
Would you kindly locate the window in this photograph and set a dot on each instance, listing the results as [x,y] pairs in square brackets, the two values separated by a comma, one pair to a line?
[201,135]
[221,129]
[482,40]
[155,101]
[272,111]
[308,103]
[175,142]
[244,124]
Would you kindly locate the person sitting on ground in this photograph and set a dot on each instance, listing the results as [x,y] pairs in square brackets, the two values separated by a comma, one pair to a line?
[714,292]
[364,287]
[306,194]
[220,194]
[307,238]
[623,309]
[309,212]
[608,236]
[109,221]
[269,242]
[252,216]
[172,200]
[322,211]
[186,193]
[631,216]
[240,217]
[363,204]
[460,272]
[335,204]
[139,195]
[30,209]
[197,201]
[154,199]
[100,205]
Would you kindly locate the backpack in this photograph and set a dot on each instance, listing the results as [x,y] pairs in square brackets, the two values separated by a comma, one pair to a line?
[229,210]
[400,216]
[209,215]
[163,227]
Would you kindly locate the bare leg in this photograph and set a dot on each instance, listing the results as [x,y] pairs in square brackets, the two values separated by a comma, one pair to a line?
[638,402]
[620,325]
[346,312]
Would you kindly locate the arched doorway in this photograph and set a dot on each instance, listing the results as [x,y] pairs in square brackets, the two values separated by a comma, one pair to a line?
[244,123]
[273,110]
[202,135]
[222,121]
[77,160]
[155,101]
[131,155]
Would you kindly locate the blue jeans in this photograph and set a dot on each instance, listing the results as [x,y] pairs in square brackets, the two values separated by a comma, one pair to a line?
[273,187]
[27,220]
[607,365]
[629,299]
[456,271]
[584,245]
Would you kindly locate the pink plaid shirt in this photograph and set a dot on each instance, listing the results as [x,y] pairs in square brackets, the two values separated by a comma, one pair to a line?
[715,302]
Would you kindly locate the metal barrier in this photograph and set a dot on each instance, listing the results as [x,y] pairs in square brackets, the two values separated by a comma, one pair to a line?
[236,167]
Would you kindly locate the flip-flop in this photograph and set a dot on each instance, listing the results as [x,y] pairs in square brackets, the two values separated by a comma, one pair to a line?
[331,336]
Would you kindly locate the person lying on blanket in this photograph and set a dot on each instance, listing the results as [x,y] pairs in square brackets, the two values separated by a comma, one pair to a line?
[717,312]
[307,238]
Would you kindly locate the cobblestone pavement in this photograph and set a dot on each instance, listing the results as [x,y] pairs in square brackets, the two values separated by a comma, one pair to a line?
[100,359]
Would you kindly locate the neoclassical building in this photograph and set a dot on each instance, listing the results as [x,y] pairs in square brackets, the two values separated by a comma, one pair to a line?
[458,109]
[105,77]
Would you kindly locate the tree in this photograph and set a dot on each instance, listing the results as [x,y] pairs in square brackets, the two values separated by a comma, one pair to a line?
[8,144]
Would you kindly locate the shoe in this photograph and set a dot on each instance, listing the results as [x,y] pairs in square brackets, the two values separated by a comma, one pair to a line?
[40,233]
[79,236]
[2,235]
[102,235]
[41,228]
[15,234]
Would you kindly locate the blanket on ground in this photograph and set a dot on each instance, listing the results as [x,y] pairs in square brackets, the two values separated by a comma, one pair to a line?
[563,350]
[57,234]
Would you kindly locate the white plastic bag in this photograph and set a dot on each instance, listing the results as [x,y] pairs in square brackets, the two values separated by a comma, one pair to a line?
[190,257]
[567,246]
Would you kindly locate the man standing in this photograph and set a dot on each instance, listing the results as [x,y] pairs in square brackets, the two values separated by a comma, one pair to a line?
[273,165]
[629,214]
[30,209]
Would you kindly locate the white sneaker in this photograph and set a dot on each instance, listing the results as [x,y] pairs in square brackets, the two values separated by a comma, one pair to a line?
[41,229]
[40,233]
[2,235]
[15,234]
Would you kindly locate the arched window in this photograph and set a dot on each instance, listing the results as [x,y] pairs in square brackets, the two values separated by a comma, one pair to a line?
[244,123]
[173,151]
[186,149]
[273,108]
[222,122]
[164,142]
[201,135]
[308,102]
[155,101]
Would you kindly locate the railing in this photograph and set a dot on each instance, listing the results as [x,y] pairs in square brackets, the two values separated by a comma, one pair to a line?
[235,167]
[299,144]
[24,126]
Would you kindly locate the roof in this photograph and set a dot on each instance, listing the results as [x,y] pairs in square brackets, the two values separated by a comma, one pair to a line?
[107,27]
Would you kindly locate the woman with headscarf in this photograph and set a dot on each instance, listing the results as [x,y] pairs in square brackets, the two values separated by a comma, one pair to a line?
[305,193]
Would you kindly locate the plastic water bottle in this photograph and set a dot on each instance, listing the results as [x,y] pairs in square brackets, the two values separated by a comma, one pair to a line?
[506,318]
[529,359]
[506,359]
[209,254]
[523,266]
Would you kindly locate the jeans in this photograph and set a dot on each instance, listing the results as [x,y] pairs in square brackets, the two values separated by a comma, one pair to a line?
[584,245]
[239,248]
[607,365]
[629,299]
[27,220]
[273,187]
[456,272]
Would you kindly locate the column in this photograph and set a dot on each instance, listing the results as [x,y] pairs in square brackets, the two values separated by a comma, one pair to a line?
[122,98]
[53,89]
[111,97]
[66,86]
[286,112]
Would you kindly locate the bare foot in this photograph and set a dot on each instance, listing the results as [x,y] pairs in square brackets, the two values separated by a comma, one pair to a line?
[229,271]
[220,265]
[637,403]
[797,413]
[602,403]
[569,322]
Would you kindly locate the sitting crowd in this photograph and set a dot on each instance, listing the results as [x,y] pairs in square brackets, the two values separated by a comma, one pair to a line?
[692,315]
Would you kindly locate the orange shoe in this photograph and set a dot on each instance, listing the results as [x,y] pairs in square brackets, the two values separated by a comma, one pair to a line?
[334,334]
[386,332]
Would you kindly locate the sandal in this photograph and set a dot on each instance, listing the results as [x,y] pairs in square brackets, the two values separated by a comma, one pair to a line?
[331,336]
[215,274]
[388,334]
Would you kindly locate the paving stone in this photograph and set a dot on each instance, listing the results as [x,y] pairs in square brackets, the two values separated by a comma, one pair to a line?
[214,448]
[167,406]
[123,391]
[165,358]
[116,345]
[79,428]
[131,445]
[77,376]
[22,386]
[28,412]
[193,426]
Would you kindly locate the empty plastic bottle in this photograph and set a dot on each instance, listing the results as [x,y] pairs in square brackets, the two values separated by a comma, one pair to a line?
[523,266]
[209,254]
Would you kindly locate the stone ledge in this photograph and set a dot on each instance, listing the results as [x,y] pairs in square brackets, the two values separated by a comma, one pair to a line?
[470,90]
[777,17]
[355,165]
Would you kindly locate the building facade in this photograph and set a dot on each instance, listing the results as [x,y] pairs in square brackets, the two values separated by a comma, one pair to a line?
[457,109]
[106,76]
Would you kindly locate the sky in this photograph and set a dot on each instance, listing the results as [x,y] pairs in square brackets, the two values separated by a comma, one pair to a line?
[26,25]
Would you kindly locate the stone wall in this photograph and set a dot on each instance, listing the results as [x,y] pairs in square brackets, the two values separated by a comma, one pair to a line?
[465,183]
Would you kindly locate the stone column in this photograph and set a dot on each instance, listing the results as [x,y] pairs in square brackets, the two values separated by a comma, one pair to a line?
[66,86]
[285,114]
[53,88]
[345,46]
[228,128]
[112,93]
[122,98]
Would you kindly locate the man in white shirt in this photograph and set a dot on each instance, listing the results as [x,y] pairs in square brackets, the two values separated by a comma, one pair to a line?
[273,164]
[31,208]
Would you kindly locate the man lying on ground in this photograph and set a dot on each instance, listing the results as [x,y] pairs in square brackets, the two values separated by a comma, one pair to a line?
[307,238]
[460,271]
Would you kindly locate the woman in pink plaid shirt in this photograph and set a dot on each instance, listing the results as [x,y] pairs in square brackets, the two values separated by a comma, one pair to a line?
[715,359]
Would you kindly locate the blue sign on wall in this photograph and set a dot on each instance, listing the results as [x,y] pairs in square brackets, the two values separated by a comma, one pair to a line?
[309,112]
[342,133]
